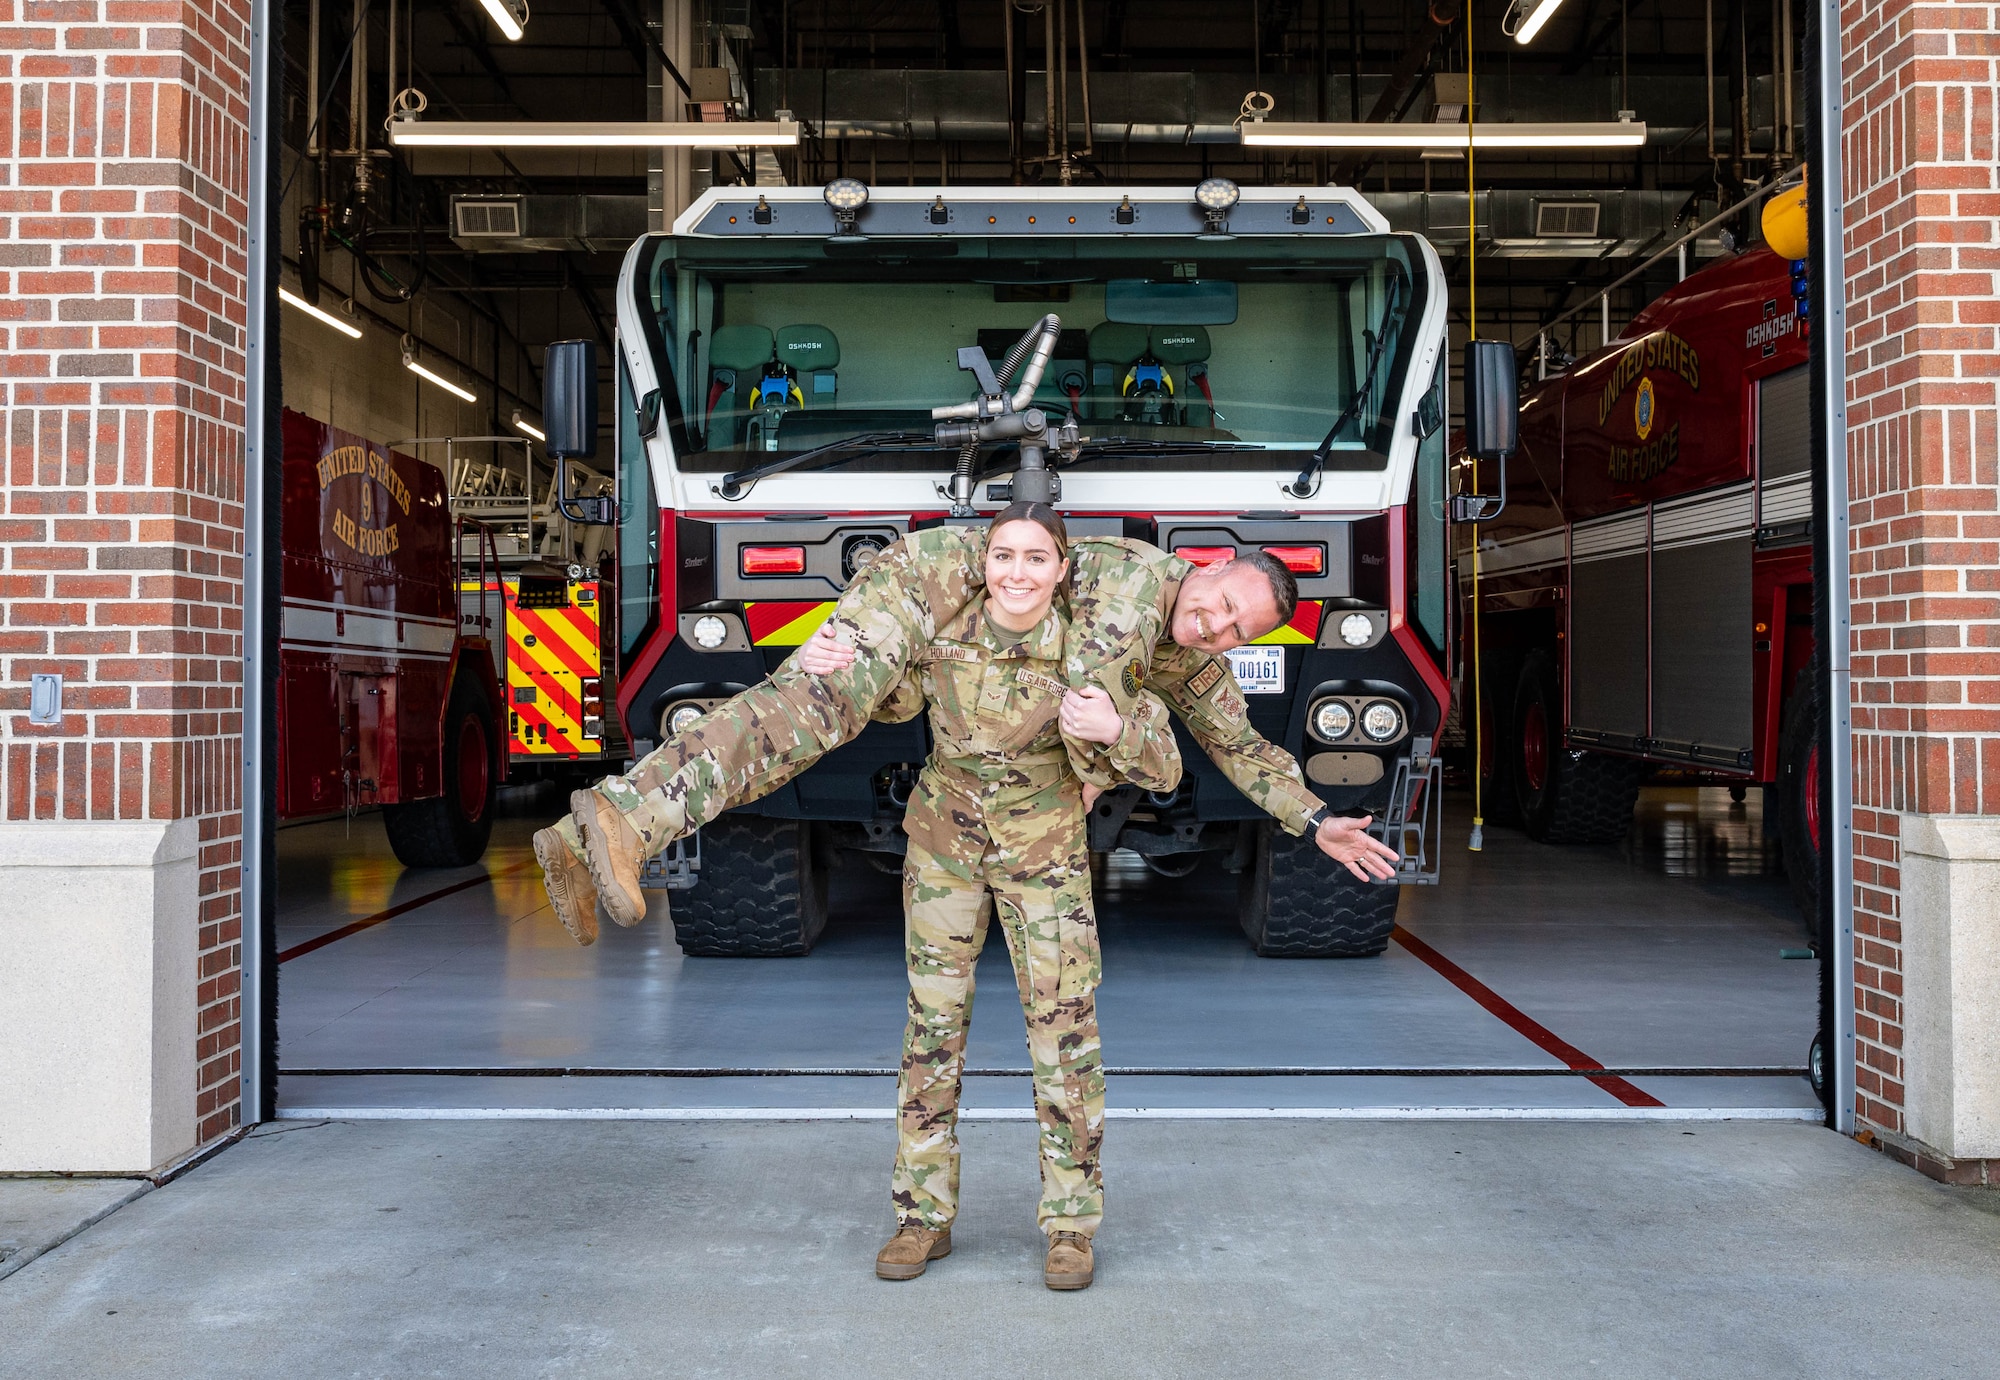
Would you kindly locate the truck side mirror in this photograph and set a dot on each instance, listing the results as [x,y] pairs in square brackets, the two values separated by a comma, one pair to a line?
[1492,407]
[1492,422]
[569,399]
[569,414]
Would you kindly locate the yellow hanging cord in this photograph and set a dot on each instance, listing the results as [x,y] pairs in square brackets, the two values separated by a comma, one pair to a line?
[1476,843]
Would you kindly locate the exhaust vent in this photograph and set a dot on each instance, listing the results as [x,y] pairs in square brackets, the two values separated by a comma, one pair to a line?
[1565,220]
[486,219]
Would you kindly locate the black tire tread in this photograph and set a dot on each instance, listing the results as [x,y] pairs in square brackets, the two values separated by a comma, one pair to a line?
[1795,743]
[761,893]
[1590,795]
[429,832]
[1594,798]
[1298,903]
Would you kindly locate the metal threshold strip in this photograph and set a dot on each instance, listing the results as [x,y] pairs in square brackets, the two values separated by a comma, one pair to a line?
[1131,1071]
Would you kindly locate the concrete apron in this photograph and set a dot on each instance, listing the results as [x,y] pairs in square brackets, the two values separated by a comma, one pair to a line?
[614,1249]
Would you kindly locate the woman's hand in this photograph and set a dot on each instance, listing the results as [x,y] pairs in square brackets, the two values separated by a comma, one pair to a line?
[1090,715]
[824,653]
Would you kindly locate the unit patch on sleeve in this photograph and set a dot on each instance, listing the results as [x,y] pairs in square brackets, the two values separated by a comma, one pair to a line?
[1205,680]
[1133,675]
[1229,704]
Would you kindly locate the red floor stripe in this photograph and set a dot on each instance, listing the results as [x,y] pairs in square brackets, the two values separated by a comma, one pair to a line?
[1522,1023]
[322,940]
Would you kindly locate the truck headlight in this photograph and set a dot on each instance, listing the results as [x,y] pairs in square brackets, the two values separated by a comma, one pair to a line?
[678,717]
[1356,629]
[1332,720]
[710,632]
[1381,721]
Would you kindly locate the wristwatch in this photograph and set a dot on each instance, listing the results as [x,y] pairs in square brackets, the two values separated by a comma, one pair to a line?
[1320,816]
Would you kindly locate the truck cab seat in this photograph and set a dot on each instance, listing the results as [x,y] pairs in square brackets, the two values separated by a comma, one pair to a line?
[812,354]
[736,356]
[1184,349]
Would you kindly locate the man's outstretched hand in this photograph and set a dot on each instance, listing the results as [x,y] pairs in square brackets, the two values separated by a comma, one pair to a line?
[824,653]
[1348,842]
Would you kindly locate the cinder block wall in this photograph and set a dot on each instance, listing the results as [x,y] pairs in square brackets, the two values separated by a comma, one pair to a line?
[123,158]
[1923,272]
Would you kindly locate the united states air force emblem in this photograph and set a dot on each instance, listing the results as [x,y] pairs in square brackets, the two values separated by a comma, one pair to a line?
[1133,674]
[1642,408]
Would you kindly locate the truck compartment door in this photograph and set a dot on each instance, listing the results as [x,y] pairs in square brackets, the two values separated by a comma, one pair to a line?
[1703,642]
[1608,622]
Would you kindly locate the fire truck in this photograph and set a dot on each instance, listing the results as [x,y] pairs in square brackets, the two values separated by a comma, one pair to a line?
[1645,597]
[382,700]
[1226,370]
[550,580]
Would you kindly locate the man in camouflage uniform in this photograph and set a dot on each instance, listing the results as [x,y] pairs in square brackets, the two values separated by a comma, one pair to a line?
[1138,618]
[997,823]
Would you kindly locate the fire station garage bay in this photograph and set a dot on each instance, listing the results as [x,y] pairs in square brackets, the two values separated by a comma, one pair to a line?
[1644,557]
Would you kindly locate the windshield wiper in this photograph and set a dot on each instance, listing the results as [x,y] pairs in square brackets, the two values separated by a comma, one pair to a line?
[1392,325]
[733,482]
[1113,449]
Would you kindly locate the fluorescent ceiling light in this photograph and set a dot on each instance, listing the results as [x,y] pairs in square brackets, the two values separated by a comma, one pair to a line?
[1532,25]
[292,299]
[505,19]
[1618,134]
[410,363]
[522,426]
[600,134]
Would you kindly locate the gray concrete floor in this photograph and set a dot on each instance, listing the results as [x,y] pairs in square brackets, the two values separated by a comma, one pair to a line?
[1665,953]
[509,1249]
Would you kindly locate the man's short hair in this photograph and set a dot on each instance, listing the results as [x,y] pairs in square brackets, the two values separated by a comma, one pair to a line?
[1284,589]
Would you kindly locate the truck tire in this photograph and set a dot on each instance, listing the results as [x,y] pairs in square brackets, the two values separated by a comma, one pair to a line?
[1298,903]
[1798,798]
[452,829]
[1564,796]
[761,893]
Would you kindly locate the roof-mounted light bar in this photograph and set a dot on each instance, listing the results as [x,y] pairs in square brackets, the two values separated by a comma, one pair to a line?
[595,134]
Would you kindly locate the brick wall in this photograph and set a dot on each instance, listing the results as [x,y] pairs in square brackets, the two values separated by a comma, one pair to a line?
[123,158]
[1923,270]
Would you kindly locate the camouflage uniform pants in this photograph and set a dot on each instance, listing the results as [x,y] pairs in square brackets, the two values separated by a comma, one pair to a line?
[1056,967]
[754,743]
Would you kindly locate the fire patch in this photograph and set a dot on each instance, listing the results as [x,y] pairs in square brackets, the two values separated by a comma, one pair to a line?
[1206,679]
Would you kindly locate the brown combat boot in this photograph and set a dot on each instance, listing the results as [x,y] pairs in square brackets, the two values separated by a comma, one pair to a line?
[1070,1264]
[571,892]
[910,1250]
[611,847]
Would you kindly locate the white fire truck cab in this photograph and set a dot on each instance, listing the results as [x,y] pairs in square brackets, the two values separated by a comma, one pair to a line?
[1243,369]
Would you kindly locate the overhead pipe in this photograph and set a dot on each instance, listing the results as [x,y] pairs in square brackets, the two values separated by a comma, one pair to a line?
[1415,62]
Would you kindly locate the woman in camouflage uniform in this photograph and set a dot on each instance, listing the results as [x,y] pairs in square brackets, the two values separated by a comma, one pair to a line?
[997,823]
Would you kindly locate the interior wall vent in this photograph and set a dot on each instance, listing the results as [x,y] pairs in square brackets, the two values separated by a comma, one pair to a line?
[484,219]
[1566,220]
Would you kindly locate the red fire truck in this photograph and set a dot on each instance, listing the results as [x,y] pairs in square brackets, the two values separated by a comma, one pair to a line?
[382,700]
[1235,369]
[1646,595]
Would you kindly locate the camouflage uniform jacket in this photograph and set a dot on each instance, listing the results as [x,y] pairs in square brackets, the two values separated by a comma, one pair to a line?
[1121,614]
[999,773]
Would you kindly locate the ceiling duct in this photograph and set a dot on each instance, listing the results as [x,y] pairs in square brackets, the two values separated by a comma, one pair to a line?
[522,224]
[1549,224]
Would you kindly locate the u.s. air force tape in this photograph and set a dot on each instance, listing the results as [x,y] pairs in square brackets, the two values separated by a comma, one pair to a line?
[1041,682]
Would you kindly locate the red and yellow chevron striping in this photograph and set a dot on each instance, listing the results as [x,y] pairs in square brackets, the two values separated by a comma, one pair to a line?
[784,623]
[1304,627]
